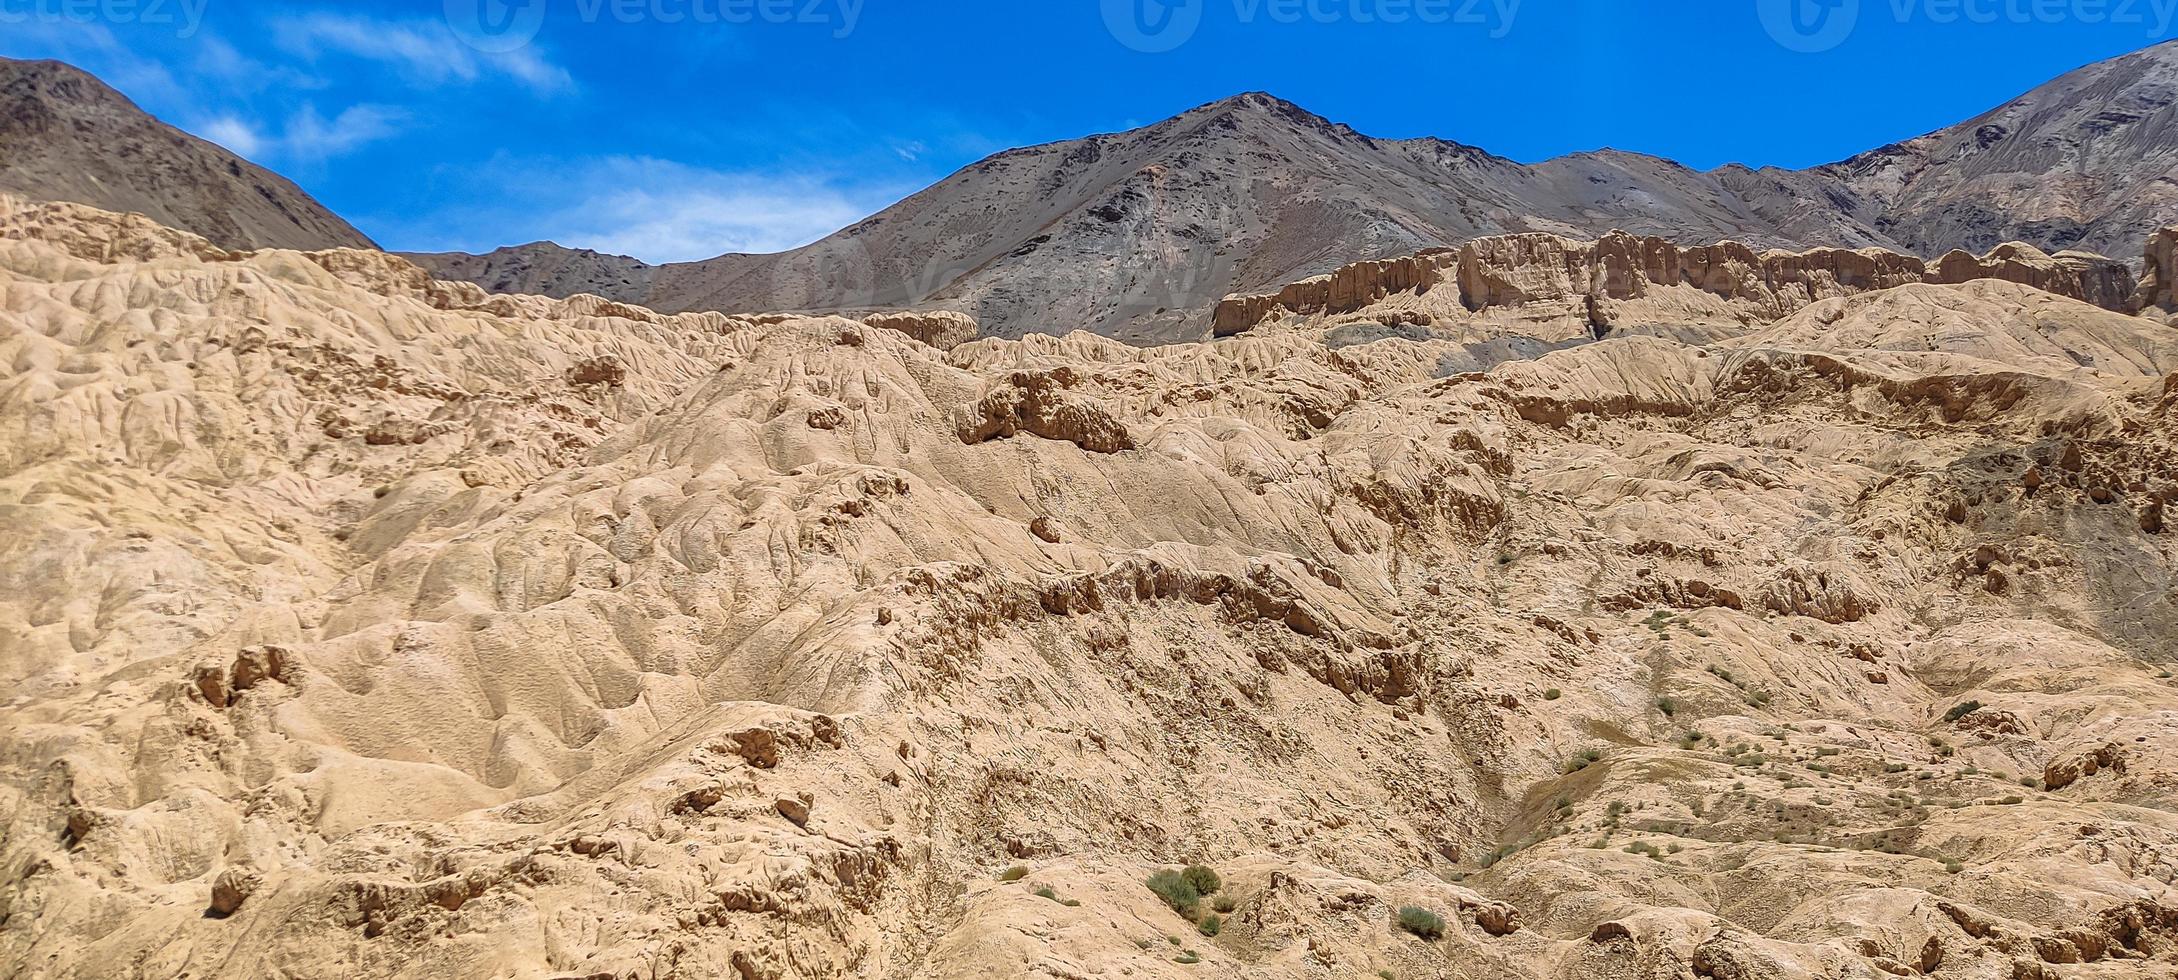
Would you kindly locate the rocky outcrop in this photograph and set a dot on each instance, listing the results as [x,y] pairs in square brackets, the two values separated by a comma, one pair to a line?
[2100,280]
[942,329]
[1040,403]
[2159,273]
[233,887]
[1543,271]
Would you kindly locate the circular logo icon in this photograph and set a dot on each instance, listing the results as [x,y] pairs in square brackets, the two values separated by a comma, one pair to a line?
[495,26]
[1808,26]
[1152,26]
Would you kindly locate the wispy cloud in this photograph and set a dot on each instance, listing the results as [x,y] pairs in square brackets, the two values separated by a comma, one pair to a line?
[426,52]
[93,48]
[307,137]
[655,210]
[215,58]
[679,213]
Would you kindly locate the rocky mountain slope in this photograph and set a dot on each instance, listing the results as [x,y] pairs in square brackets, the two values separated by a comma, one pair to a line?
[2085,162]
[67,136]
[1137,235]
[360,624]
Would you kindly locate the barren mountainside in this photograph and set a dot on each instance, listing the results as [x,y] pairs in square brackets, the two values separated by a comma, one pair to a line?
[357,623]
[1137,235]
[66,136]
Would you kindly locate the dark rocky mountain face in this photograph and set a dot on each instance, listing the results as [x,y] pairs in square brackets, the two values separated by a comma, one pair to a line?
[66,136]
[1138,234]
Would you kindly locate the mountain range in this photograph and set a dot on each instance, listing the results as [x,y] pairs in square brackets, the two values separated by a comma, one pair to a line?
[1137,235]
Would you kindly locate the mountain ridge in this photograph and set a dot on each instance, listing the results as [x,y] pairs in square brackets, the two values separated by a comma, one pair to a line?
[66,135]
[1137,234]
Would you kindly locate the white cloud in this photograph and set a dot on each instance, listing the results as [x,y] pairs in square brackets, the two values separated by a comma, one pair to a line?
[661,211]
[655,210]
[307,137]
[234,134]
[427,52]
[240,73]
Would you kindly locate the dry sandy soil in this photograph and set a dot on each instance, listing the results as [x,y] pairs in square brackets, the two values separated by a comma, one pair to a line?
[357,624]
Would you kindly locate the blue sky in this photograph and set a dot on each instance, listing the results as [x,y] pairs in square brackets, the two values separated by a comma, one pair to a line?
[679,129]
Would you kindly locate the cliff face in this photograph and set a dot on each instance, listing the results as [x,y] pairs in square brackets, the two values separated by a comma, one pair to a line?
[2158,273]
[1625,280]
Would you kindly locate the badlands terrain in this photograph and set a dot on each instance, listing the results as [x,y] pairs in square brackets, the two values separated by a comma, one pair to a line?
[1537,608]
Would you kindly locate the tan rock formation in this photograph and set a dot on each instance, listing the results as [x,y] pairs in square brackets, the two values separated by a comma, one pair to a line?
[943,329]
[1626,281]
[2159,275]
[413,633]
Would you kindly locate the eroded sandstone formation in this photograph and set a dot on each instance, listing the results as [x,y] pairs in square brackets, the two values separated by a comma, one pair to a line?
[354,624]
[1624,279]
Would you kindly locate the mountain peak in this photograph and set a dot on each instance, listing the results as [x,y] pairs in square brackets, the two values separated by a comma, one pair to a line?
[1265,106]
[59,126]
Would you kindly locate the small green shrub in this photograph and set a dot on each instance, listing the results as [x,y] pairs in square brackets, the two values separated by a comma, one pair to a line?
[1015,873]
[1211,925]
[1176,892]
[1044,891]
[1667,706]
[1224,903]
[1187,958]
[1961,710]
[1421,922]
[1553,694]
[1952,866]
[1206,881]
